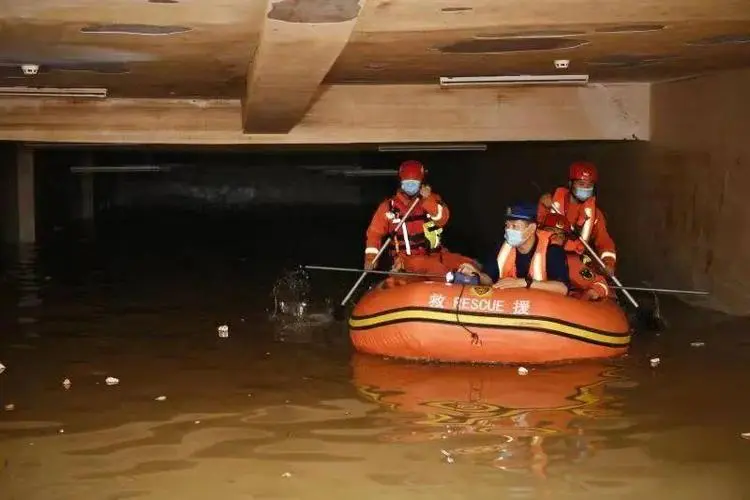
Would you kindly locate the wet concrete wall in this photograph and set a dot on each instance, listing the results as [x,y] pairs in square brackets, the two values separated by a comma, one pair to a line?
[683,205]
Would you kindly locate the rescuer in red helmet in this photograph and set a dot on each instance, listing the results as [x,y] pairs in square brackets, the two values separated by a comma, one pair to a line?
[416,245]
[577,203]
[585,283]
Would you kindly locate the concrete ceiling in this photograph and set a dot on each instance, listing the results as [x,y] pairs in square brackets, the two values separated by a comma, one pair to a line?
[275,54]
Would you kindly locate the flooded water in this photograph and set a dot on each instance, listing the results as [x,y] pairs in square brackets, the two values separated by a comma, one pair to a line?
[290,411]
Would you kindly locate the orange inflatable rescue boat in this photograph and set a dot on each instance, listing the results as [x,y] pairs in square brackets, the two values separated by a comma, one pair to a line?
[438,321]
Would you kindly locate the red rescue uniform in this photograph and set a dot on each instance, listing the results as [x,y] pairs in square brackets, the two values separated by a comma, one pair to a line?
[588,220]
[583,279]
[417,247]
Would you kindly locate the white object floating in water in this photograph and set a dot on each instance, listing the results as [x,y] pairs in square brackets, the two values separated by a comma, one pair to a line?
[448,456]
[112,381]
[745,435]
[223,331]
[522,371]
[697,344]
[2,368]
[66,383]
[10,407]
[286,474]
[655,362]
[161,398]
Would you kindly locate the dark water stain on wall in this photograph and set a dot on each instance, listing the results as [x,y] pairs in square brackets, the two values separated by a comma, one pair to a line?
[315,11]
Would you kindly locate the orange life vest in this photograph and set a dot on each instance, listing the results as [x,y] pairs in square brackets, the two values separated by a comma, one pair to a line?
[582,278]
[506,258]
[411,237]
[584,222]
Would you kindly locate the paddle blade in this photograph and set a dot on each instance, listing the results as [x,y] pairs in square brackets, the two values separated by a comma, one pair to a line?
[340,312]
[647,317]
[648,320]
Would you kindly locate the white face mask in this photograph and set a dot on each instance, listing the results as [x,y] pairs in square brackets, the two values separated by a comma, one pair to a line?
[583,193]
[410,186]
[517,237]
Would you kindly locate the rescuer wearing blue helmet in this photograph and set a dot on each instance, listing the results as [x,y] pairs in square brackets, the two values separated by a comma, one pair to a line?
[527,258]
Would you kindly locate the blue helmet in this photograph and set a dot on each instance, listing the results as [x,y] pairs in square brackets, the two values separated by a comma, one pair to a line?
[521,211]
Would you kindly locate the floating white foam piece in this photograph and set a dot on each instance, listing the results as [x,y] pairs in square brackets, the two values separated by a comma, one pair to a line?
[161,398]
[223,331]
[67,383]
[654,362]
[523,371]
[112,381]
[2,368]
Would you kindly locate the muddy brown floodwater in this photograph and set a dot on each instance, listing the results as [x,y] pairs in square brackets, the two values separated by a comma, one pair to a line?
[297,415]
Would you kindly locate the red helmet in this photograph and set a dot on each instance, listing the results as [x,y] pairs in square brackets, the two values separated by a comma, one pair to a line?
[583,171]
[556,221]
[412,170]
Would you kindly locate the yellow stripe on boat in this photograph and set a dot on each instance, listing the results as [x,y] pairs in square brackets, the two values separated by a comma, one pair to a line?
[513,322]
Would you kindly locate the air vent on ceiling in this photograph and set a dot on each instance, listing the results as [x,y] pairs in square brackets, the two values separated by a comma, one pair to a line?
[397,148]
[629,60]
[501,45]
[630,28]
[134,29]
[730,39]
[551,33]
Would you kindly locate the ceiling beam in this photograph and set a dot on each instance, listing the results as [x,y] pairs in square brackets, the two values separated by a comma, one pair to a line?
[299,43]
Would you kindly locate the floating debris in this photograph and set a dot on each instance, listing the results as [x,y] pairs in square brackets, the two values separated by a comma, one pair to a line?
[10,407]
[66,383]
[286,474]
[160,398]
[697,344]
[2,368]
[112,381]
[223,331]
[654,362]
[523,371]
[448,457]
[745,435]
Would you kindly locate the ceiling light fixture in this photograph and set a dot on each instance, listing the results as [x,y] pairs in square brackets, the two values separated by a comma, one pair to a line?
[483,81]
[98,93]
[368,172]
[395,148]
[118,169]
